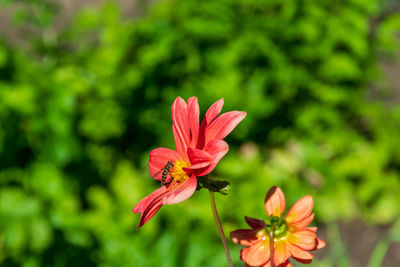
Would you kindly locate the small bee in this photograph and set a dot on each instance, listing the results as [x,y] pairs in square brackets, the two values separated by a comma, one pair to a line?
[165,172]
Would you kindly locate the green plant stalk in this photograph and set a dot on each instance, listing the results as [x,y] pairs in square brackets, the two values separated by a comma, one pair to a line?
[271,247]
[221,231]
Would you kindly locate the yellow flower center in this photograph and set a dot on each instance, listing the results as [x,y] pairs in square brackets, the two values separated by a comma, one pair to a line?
[178,174]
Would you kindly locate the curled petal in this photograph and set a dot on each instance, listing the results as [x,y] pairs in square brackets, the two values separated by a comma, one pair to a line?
[211,114]
[275,202]
[246,237]
[255,255]
[180,125]
[300,210]
[303,261]
[223,125]
[159,157]
[255,223]
[180,192]
[200,160]
[304,239]
[141,206]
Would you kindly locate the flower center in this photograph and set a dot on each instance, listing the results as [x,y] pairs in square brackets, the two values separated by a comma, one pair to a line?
[278,226]
[178,174]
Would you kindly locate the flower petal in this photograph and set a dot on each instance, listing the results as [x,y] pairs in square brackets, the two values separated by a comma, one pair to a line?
[141,206]
[286,264]
[275,202]
[150,205]
[211,114]
[254,223]
[281,253]
[180,125]
[303,223]
[256,254]
[246,237]
[223,125]
[159,157]
[181,192]
[299,253]
[300,210]
[200,160]
[305,239]
[193,117]
[319,244]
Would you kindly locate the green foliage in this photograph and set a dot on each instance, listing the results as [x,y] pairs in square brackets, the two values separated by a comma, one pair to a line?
[80,111]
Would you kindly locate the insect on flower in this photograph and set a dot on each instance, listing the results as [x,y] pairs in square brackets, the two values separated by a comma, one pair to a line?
[199,148]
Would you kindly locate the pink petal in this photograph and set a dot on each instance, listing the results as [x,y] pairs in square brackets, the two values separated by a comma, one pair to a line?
[211,114]
[217,149]
[150,206]
[146,200]
[180,125]
[246,237]
[254,223]
[275,202]
[159,157]
[300,210]
[193,117]
[304,239]
[256,254]
[223,125]
[200,160]
[181,192]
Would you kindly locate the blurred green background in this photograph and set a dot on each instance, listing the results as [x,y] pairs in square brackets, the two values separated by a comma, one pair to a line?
[86,92]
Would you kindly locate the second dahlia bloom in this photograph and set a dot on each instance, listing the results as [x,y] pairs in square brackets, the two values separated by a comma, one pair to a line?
[292,236]
[199,147]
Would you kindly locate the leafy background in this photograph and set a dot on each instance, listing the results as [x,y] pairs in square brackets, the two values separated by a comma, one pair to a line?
[83,99]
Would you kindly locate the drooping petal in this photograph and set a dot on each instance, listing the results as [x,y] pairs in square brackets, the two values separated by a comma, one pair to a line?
[193,117]
[281,253]
[159,157]
[150,206]
[255,223]
[304,239]
[256,254]
[299,253]
[181,192]
[223,125]
[300,210]
[141,206]
[303,223]
[245,237]
[275,202]
[180,125]
[211,114]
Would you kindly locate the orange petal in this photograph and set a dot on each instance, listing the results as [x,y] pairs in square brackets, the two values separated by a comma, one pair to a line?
[300,210]
[302,223]
[255,255]
[299,253]
[320,244]
[286,264]
[313,228]
[305,239]
[275,202]
[281,253]
[244,237]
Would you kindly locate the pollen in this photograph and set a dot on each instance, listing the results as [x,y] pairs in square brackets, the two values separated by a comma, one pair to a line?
[178,174]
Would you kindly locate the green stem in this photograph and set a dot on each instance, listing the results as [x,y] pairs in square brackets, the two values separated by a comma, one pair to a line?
[271,247]
[221,231]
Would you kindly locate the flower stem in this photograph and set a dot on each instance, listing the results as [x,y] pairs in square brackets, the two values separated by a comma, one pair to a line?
[221,231]
[271,247]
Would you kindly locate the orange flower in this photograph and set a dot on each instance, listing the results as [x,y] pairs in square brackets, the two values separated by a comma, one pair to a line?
[291,235]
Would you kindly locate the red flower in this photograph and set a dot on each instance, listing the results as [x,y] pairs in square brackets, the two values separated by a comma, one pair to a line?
[292,237]
[199,147]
